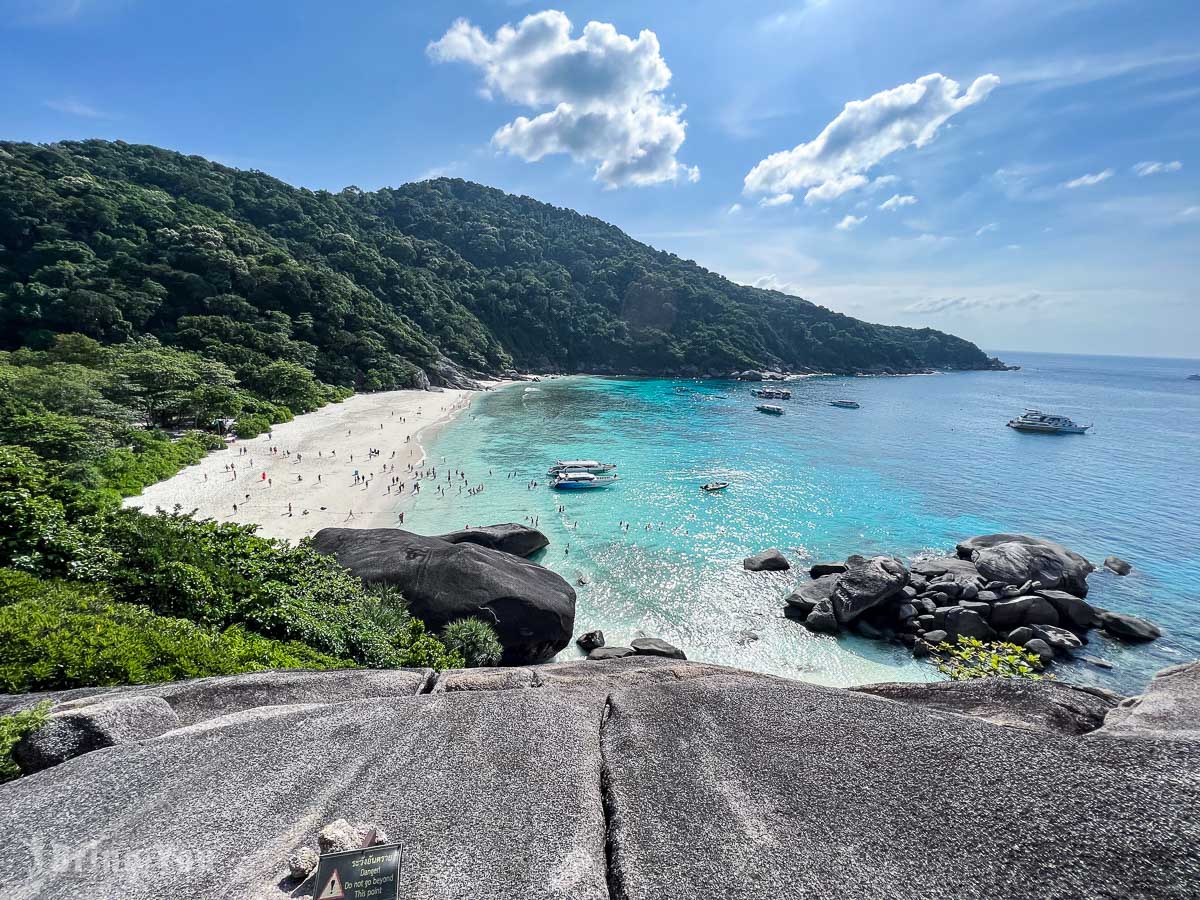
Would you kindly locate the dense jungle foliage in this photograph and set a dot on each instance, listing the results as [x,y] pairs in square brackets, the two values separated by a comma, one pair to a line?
[364,289]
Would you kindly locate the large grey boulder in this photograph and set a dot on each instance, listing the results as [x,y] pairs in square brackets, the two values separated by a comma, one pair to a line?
[1129,628]
[1015,559]
[73,730]
[519,540]
[1169,709]
[821,618]
[767,561]
[1073,611]
[1117,565]
[1027,610]
[809,593]
[637,778]
[1017,702]
[865,584]
[821,569]
[962,622]
[649,646]
[531,608]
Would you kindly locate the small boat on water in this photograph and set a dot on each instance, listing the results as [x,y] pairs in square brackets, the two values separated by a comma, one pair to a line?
[844,404]
[714,486]
[577,481]
[772,393]
[1037,422]
[1193,378]
[581,465]
[770,409]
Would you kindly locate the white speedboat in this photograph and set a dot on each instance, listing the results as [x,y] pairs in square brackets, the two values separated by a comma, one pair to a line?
[1038,422]
[770,409]
[581,465]
[844,404]
[714,486]
[576,481]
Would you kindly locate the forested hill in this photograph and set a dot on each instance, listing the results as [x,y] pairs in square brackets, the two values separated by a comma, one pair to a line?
[370,290]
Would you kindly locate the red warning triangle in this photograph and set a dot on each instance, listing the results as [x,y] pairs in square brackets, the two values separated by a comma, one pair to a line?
[333,888]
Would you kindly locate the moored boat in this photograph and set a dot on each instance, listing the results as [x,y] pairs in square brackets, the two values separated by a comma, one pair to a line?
[574,481]
[770,409]
[772,393]
[713,486]
[581,465]
[844,404]
[1035,421]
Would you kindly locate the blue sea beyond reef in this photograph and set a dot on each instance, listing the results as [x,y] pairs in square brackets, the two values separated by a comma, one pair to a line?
[925,462]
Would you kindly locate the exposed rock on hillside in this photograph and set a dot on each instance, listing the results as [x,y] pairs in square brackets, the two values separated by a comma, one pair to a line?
[637,778]
[531,608]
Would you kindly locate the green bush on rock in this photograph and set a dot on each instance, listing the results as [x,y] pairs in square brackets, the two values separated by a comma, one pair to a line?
[475,640]
[971,658]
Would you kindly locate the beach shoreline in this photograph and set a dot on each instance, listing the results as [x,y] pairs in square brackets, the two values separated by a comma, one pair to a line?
[333,467]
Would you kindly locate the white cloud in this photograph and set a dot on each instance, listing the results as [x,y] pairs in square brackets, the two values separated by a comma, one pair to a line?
[898,200]
[1190,212]
[1143,169]
[777,200]
[849,223]
[772,283]
[602,89]
[76,108]
[1089,180]
[929,305]
[984,229]
[863,134]
[734,209]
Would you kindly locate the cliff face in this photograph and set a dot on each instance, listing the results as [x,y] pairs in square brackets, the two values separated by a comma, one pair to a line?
[634,778]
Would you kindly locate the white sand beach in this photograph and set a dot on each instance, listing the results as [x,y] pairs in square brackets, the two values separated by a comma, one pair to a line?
[300,477]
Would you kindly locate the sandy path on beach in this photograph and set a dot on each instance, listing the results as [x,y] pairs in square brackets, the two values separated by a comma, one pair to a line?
[312,467]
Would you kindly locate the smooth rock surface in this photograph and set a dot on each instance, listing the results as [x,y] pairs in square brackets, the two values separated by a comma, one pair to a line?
[1129,628]
[821,569]
[611,652]
[531,608]
[1169,709]
[1073,612]
[809,593]
[590,640]
[73,730]
[1017,702]
[1117,565]
[822,619]
[1028,610]
[644,778]
[519,540]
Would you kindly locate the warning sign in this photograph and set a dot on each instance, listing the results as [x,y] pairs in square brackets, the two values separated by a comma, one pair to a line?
[372,873]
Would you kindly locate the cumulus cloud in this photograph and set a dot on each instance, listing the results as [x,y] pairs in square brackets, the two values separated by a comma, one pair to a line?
[849,223]
[772,283]
[1089,180]
[898,200]
[1143,169]
[777,200]
[601,92]
[863,134]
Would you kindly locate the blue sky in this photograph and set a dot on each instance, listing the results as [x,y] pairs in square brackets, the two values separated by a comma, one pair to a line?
[1021,173]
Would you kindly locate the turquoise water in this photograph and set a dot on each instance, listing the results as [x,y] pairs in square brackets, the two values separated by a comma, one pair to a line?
[925,462]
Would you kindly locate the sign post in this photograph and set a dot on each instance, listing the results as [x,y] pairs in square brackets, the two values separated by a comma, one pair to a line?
[372,873]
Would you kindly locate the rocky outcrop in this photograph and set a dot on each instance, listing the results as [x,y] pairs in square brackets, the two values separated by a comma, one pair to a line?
[1018,558]
[76,728]
[590,640]
[1169,709]
[648,646]
[945,598]
[531,608]
[637,778]
[519,540]
[1017,702]
[767,561]
[865,584]
[1117,565]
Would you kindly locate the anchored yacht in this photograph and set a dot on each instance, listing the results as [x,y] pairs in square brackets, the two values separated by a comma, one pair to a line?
[1036,421]
[581,465]
[575,481]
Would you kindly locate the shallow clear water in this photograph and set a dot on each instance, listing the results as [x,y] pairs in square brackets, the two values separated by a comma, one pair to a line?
[925,462]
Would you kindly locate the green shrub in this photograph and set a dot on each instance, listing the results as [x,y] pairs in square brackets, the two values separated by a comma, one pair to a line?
[75,638]
[251,426]
[971,658]
[474,640]
[13,727]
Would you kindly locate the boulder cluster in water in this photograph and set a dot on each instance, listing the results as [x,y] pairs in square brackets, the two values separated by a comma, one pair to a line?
[1000,587]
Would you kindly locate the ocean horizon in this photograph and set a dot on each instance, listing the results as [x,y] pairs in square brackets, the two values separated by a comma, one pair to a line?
[925,462]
